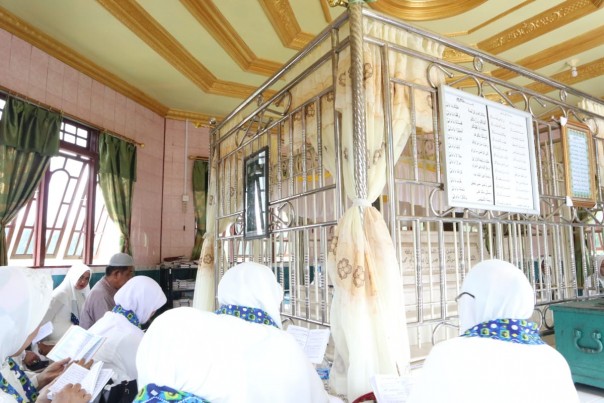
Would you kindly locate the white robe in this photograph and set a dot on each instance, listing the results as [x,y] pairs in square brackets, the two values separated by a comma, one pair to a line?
[226,359]
[477,369]
[25,296]
[66,299]
[143,296]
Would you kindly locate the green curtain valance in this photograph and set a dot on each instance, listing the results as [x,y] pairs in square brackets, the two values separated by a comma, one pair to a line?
[117,157]
[30,128]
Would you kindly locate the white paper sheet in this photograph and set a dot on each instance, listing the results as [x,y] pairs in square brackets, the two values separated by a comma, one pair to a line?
[391,388]
[313,341]
[44,331]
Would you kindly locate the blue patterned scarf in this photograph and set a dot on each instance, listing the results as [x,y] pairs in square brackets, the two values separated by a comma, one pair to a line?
[30,390]
[156,394]
[254,315]
[513,330]
[130,315]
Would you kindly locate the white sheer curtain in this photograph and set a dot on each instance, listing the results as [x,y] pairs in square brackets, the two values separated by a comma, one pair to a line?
[204,295]
[368,320]
[230,186]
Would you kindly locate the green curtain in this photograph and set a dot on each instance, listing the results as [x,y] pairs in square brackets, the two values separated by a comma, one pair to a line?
[29,137]
[117,174]
[200,192]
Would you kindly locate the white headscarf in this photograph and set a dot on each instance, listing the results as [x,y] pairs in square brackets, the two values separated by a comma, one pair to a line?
[478,369]
[252,285]
[142,295]
[500,290]
[192,351]
[25,296]
[67,293]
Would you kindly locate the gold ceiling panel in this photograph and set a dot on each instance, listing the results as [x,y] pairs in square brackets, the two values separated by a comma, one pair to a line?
[413,10]
[497,17]
[23,30]
[284,21]
[223,32]
[133,16]
[556,53]
[325,9]
[540,24]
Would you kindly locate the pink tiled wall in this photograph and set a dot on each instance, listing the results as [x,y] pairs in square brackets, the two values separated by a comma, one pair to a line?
[179,219]
[33,73]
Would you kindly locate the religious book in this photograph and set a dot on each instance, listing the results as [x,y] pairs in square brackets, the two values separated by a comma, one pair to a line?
[313,341]
[92,380]
[76,343]
[391,388]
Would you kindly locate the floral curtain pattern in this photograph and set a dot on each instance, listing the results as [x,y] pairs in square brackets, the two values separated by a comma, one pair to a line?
[117,174]
[200,189]
[367,311]
[29,137]
[368,321]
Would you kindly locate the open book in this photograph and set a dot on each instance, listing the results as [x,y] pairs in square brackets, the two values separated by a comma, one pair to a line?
[92,380]
[76,343]
[391,388]
[313,341]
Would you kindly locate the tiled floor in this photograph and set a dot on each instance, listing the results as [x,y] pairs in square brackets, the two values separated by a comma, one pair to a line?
[589,394]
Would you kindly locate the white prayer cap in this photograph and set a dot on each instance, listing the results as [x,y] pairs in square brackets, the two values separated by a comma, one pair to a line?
[121,260]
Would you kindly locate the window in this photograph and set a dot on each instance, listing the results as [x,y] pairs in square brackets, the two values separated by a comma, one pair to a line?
[60,209]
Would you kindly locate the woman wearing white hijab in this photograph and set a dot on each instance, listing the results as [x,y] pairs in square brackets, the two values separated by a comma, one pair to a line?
[198,362]
[25,298]
[499,356]
[275,365]
[67,301]
[135,302]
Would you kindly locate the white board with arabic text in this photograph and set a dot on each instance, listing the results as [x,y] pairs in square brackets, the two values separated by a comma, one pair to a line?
[489,154]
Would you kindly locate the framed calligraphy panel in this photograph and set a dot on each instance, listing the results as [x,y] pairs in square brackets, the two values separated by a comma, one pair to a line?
[579,166]
[489,154]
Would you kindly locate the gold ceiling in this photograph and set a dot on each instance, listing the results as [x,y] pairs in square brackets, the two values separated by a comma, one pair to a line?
[200,58]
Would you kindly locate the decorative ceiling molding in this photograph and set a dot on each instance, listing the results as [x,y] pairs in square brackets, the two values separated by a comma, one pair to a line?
[198,118]
[500,16]
[556,53]
[283,19]
[133,16]
[455,56]
[531,28]
[598,3]
[326,13]
[11,23]
[210,17]
[413,10]
[584,72]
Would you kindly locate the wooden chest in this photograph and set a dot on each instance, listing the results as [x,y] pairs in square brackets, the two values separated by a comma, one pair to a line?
[579,327]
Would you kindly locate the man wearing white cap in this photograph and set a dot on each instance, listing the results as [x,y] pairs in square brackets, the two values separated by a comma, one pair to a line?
[100,299]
